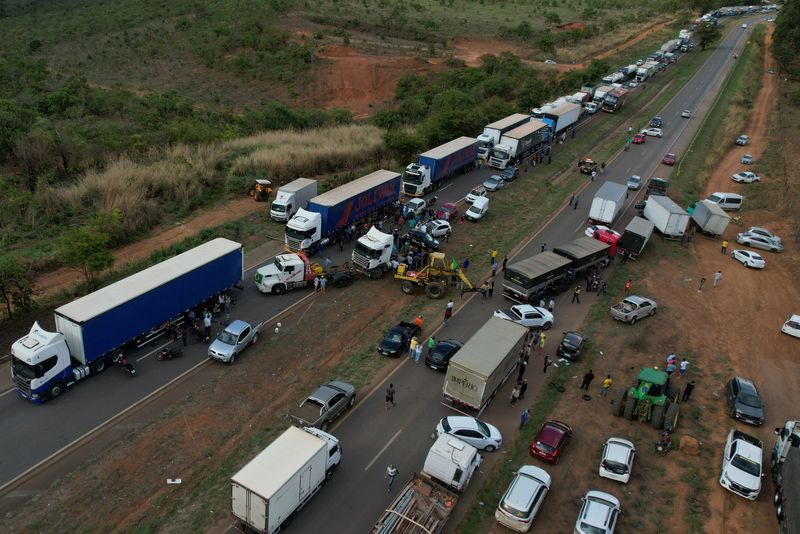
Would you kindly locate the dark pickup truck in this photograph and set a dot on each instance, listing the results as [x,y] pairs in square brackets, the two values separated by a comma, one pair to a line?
[327,403]
[396,340]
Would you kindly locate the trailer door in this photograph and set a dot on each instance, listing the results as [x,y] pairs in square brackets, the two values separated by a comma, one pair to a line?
[305,483]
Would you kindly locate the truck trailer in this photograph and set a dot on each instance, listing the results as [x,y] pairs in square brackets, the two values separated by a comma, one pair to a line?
[562,118]
[709,218]
[669,218]
[435,165]
[636,236]
[527,280]
[483,364]
[328,214]
[584,252]
[291,197]
[518,144]
[607,203]
[267,491]
[785,464]
[615,100]
[94,328]
[600,94]
[646,71]
[493,132]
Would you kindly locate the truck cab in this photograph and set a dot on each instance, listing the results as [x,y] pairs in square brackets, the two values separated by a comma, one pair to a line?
[285,272]
[452,462]
[304,230]
[500,156]
[373,252]
[485,145]
[416,179]
[41,366]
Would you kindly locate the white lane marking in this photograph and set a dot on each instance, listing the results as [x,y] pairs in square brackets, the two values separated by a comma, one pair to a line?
[140,358]
[382,450]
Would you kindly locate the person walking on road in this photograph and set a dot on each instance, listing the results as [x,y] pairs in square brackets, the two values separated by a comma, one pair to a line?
[587,379]
[594,174]
[576,295]
[505,261]
[607,381]
[391,472]
[716,277]
[514,395]
[523,418]
[544,247]
[687,391]
[491,287]
[575,204]
[494,268]
[390,396]
[184,333]
[547,363]
[523,387]
[724,246]
[603,167]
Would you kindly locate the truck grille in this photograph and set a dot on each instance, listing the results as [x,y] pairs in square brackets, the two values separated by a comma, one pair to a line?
[360,260]
[23,385]
[293,244]
[740,489]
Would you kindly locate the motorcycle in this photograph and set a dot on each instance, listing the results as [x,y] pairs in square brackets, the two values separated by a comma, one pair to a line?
[168,353]
[665,443]
[123,362]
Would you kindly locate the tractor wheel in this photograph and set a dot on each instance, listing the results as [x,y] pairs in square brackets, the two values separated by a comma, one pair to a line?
[671,422]
[673,392]
[619,403]
[630,408]
[658,417]
[407,287]
[435,290]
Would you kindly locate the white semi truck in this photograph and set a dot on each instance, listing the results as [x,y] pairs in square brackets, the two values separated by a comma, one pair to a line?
[493,132]
[292,197]
[518,143]
[372,252]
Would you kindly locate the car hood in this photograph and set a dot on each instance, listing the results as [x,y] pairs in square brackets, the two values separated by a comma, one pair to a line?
[221,348]
[750,411]
[742,478]
[389,345]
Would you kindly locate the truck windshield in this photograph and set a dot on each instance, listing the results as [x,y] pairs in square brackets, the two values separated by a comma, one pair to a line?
[747,465]
[299,234]
[227,338]
[611,100]
[24,370]
[365,251]
[499,154]
[412,178]
[279,208]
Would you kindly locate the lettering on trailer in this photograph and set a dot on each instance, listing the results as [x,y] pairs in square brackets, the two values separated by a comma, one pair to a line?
[463,382]
[365,202]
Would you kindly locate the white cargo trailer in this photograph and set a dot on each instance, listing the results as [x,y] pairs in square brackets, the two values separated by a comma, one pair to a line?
[607,203]
[669,218]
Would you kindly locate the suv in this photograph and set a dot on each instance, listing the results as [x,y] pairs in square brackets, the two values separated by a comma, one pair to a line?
[744,401]
[741,465]
[742,140]
[423,239]
[523,498]
[656,122]
[599,513]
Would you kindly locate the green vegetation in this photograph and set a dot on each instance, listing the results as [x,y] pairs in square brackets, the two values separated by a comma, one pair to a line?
[786,39]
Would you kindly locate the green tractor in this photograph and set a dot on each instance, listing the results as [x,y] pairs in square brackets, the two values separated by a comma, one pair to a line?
[652,400]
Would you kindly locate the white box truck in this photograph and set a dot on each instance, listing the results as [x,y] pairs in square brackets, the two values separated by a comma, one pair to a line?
[607,203]
[493,132]
[709,218]
[283,477]
[291,197]
[669,218]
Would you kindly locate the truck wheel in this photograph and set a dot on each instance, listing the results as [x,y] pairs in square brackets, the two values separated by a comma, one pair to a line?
[630,407]
[255,338]
[633,320]
[407,287]
[658,417]
[98,366]
[55,390]
[546,326]
[671,422]
[672,392]
[278,289]
[375,274]
[619,403]
[435,290]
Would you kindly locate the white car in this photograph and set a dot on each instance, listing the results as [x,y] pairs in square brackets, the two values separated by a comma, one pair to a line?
[634,182]
[749,258]
[599,513]
[686,113]
[591,229]
[550,62]
[439,228]
[758,241]
[741,465]
[746,177]
[742,140]
[523,498]
[617,461]
[747,159]
[476,192]
[652,132]
[792,326]
[633,83]
[494,182]
[480,435]
[528,316]
[763,232]
[416,205]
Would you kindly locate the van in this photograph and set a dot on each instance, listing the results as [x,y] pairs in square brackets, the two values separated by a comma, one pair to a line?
[478,209]
[727,201]
[452,462]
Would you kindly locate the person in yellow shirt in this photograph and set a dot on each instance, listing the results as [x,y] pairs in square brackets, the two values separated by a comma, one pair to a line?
[724,246]
[606,384]
[412,346]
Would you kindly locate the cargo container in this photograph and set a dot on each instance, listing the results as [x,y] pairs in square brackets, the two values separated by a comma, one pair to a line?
[669,218]
[600,94]
[519,143]
[709,218]
[527,280]
[562,118]
[607,203]
[636,236]
[433,166]
[585,252]
[493,132]
[291,197]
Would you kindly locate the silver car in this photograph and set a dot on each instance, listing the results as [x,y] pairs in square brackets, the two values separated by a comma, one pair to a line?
[763,232]
[758,241]
[494,182]
[634,182]
[236,337]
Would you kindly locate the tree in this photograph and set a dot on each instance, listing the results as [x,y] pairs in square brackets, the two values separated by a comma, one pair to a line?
[707,34]
[15,284]
[402,145]
[786,39]
[87,247]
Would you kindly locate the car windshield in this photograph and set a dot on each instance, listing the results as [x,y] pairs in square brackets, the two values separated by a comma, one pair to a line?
[394,336]
[227,338]
[513,511]
[545,448]
[747,465]
[586,528]
[474,210]
[749,399]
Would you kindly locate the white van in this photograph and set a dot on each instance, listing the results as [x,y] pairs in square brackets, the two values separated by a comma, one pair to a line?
[452,462]
[478,209]
[727,201]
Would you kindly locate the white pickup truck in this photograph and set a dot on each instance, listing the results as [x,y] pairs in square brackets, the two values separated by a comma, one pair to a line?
[633,308]
[742,465]
[528,316]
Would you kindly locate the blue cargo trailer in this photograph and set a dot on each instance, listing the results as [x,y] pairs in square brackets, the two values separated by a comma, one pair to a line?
[458,155]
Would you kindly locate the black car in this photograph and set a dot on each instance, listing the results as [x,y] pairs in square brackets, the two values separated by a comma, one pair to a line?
[571,346]
[396,340]
[441,354]
[510,173]
[422,239]
[744,401]
[656,122]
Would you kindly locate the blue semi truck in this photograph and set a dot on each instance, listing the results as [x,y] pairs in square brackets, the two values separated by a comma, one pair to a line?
[435,165]
[330,213]
[93,328]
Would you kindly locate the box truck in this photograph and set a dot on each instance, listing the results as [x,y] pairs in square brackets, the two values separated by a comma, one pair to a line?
[94,328]
[562,118]
[785,463]
[600,94]
[607,203]
[493,132]
[483,364]
[709,218]
[435,165]
[518,144]
[669,218]
[328,214]
[291,197]
[526,281]
[274,485]
[636,236]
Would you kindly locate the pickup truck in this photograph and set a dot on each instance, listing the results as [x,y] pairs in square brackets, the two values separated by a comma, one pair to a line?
[323,406]
[633,308]
[528,316]
[742,465]
[236,337]
[395,342]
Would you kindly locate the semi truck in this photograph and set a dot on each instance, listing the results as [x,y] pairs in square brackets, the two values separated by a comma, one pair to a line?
[670,46]
[584,253]
[579,98]
[330,213]
[589,88]
[291,197]
[526,281]
[614,77]
[493,132]
[600,94]
[646,71]
[785,464]
[607,203]
[273,486]
[483,364]
[435,165]
[669,218]
[372,252]
[518,143]
[709,218]
[91,330]
[636,236]
[615,100]
[561,118]
[629,71]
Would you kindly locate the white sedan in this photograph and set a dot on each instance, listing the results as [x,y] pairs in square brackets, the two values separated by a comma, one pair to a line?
[439,228]
[749,258]
[745,177]
[590,230]
[527,315]
[792,326]
[652,132]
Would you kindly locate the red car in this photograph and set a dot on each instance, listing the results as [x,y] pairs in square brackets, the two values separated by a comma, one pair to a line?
[610,237]
[551,440]
[446,211]
[639,138]
[669,159]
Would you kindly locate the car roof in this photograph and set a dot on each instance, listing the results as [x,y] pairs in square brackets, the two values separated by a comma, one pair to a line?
[598,507]
[618,449]
[236,327]
[525,487]
[551,433]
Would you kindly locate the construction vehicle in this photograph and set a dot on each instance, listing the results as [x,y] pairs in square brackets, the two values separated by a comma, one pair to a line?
[436,277]
[652,400]
[261,190]
[587,165]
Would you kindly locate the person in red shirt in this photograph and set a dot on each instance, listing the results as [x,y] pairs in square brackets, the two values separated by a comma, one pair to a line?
[628,286]
[418,321]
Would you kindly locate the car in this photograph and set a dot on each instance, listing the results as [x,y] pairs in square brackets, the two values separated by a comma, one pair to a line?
[763,232]
[686,113]
[639,62]
[396,340]
[633,84]
[742,460]
[476,192]
[236,337]
[617,460]
[523,498]
[439,228]
[632,308]
[550,441]
[656,122]
[447,211]
[527,316]
[744,26]
[749,258]
[599,513]
[593,228]
[416,205]
[322,407]
[475,432]
[494,182]
[742,140]
[510,173]
[747,159]
[652,132]
[744,402]
[439,356]
[639,138]
[634,182]
[550,62]
[669,159]
[745,177]
[571,346]
[757,241]
[422,239]
[792,325]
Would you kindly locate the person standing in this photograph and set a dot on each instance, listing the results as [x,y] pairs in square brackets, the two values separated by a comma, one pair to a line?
[670,369]
[465,265]
[575,204]
[418,353]
[494,268]
[607,381]
[544,247]
[587,380]
[628,286]
[542,338]
[523,387]
[412,347]
[547,363]
[316,284]
[484,289]
[390,396]
[687,391]
[207,327]
[431,344]
[323,283]
[523,365]
[716,277]
[328,262]
[505,261]
[491,287]
[603,167]
[594,174]
[523,418]
[494,256]
[184,333]
[418,322]
[724,246]
[448,312]
[576,295]
[391,472]
[702,281]
[683,367]
[514,395]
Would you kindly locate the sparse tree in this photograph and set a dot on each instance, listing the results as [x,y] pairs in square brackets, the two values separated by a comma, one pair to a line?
[87,247]
[706,34]
[15,284]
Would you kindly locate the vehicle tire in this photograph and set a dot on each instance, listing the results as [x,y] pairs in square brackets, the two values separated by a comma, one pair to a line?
[278,289]
[341,280]
[255,338]
[633,319]
[435,290]
[375,274]
[98,366]
[324,426]
[671,421]
[490,448]
[653,311]
[630,407]
[351,402]
[673,392]
[233,359]
[546,326]
[618,404]
[773,249]
[407,287]
[658,417]
[55,390]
